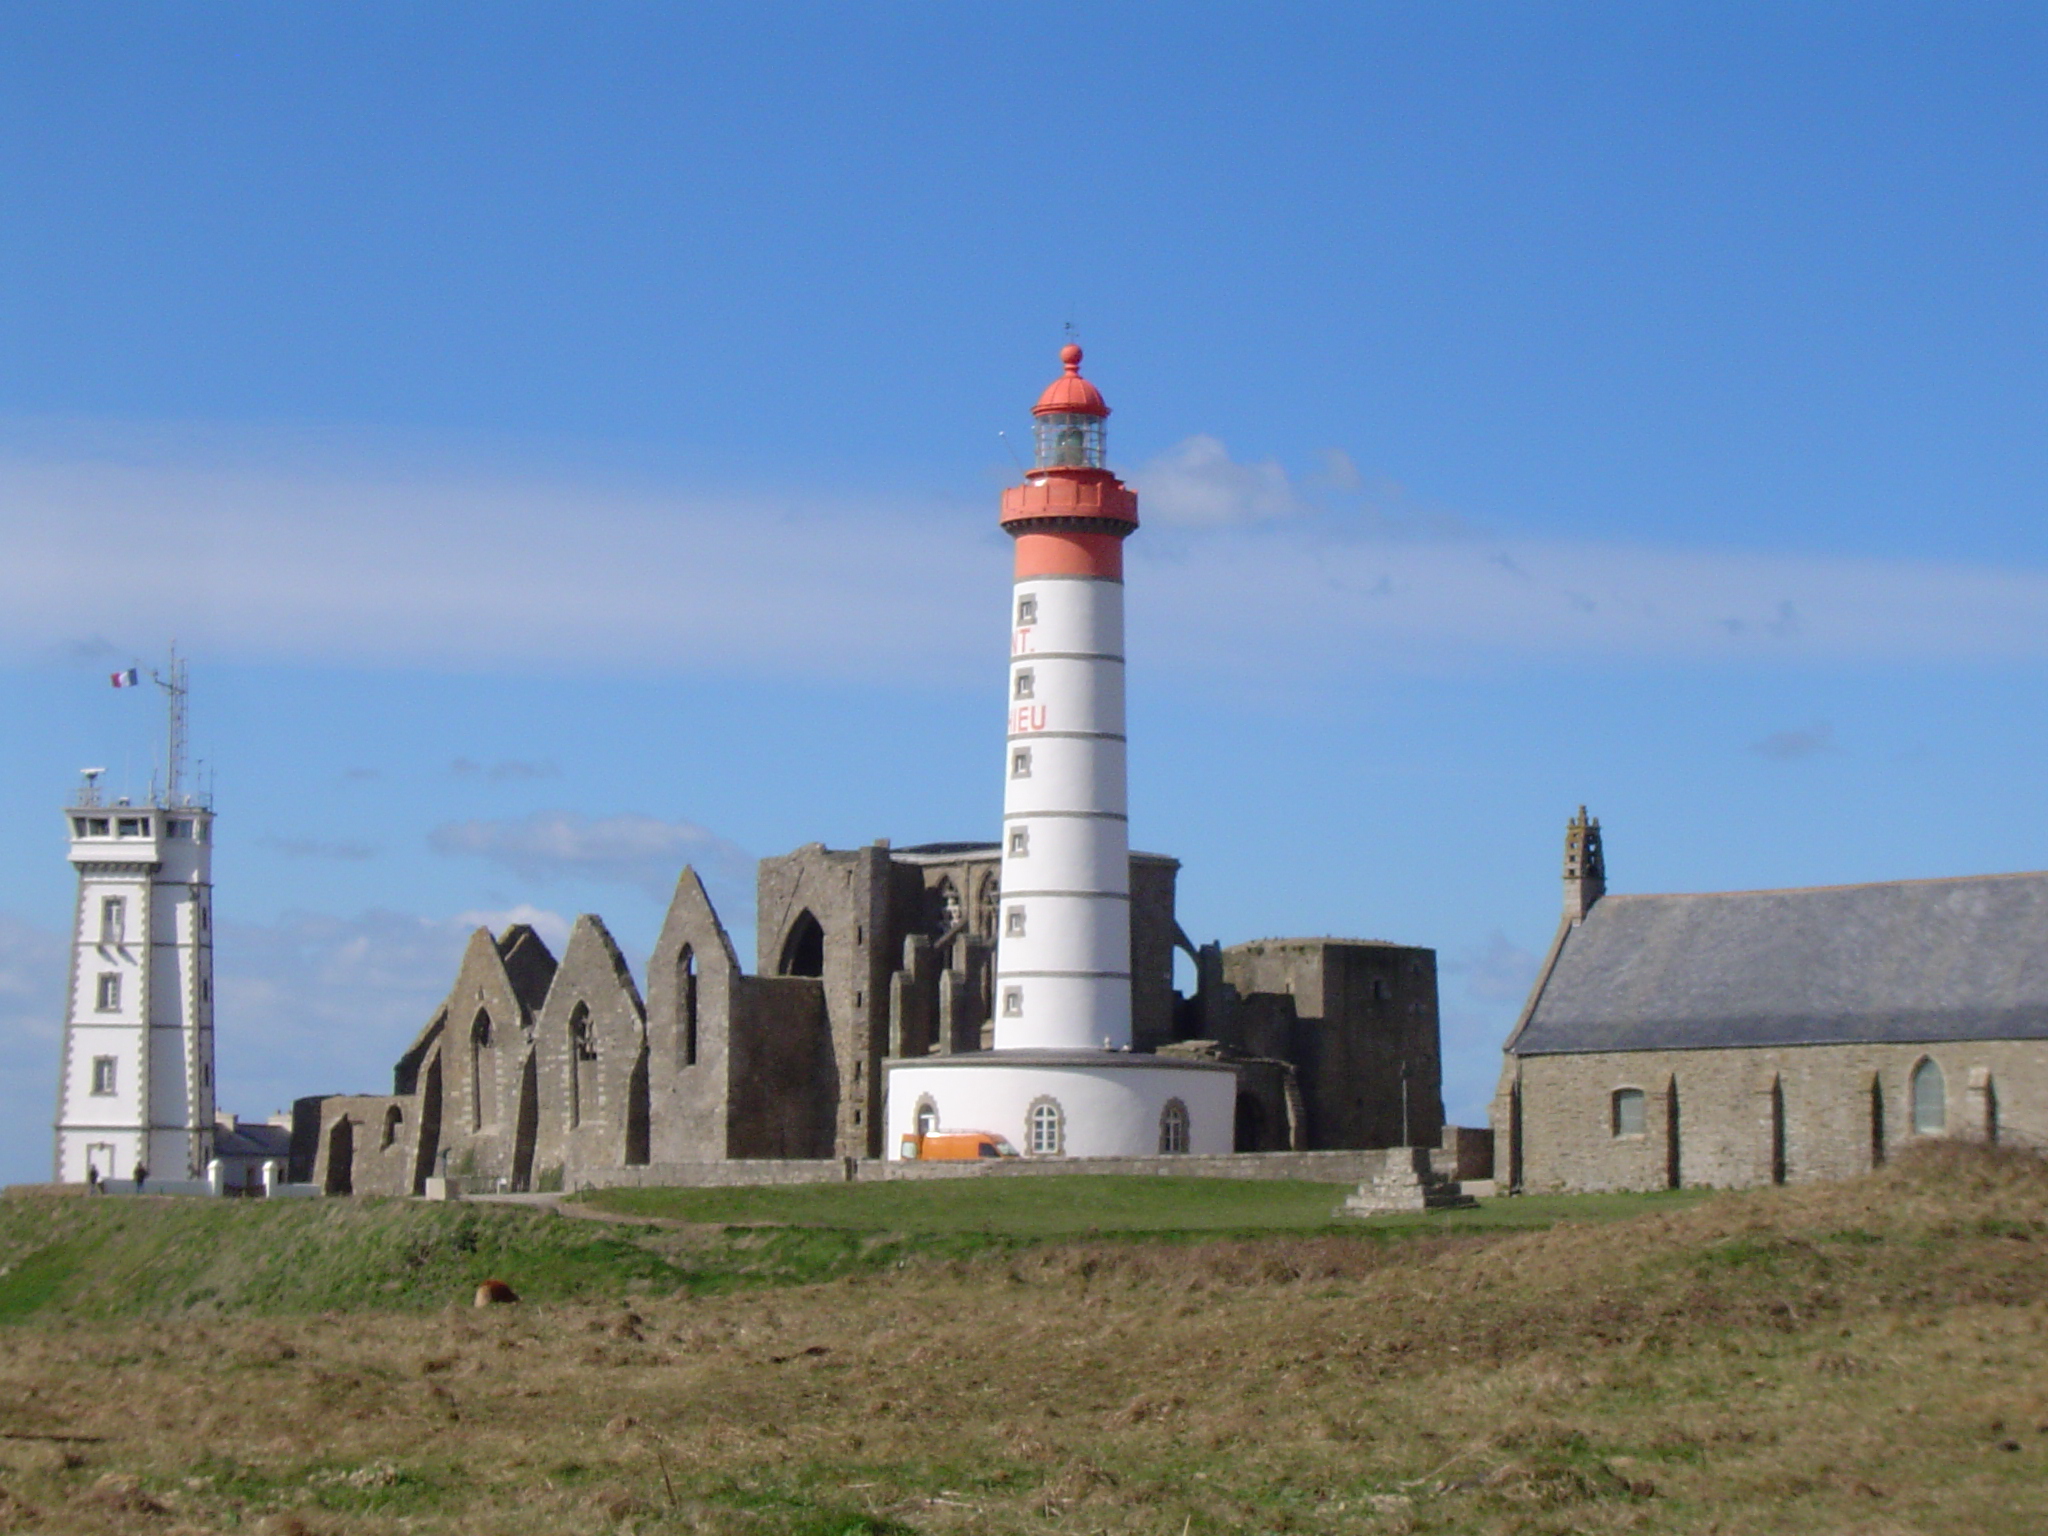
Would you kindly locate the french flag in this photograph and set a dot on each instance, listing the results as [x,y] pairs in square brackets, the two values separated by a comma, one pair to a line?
[128,679]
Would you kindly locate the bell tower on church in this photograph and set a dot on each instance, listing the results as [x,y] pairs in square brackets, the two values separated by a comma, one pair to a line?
[135,1083]
[1585,866]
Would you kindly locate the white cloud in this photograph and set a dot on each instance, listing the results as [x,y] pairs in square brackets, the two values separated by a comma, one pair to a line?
[553,927]
[1196,484]
[316,1003]
[640,851]
[356,565]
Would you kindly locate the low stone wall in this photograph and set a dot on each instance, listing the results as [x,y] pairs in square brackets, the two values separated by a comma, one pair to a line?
[1347,1167]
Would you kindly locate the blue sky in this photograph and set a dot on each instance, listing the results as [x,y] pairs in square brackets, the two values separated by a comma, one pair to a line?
[564,438]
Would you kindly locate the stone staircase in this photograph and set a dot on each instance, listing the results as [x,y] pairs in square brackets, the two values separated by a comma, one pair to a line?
[1405,1183]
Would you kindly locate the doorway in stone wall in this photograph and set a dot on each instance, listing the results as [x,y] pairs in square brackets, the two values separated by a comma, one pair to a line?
[526,1125]
[341,1158]
[639,1112]
[423,1167]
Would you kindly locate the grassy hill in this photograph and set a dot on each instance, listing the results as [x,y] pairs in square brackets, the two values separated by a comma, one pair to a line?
[1864,1357]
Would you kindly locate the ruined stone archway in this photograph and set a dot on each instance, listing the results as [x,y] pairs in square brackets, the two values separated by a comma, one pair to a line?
[803,950]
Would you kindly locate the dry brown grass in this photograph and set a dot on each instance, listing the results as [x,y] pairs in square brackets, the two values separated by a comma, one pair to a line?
[1868,1357]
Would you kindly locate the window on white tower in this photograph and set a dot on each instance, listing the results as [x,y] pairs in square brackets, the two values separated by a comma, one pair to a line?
[1020,842]
[1013,923]
[1047,1126]
[1173,1127]
[1013,1002]
[108,997]
[1020,763]
[113,920]
[1027,683]
[103,1075]
[1027,611]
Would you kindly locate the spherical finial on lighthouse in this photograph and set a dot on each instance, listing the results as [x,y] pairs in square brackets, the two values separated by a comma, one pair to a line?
[1070,354]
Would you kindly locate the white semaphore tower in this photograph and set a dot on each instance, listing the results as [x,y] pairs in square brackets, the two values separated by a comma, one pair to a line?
[1062,1080]
[136,1079]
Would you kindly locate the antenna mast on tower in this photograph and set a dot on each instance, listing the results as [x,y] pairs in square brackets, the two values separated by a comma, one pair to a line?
[174,688]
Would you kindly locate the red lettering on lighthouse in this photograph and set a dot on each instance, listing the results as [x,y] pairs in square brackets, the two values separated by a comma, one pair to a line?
[1021,643]
[1027,717]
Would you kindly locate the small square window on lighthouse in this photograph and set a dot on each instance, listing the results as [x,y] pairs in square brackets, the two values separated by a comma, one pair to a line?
[1013,1002]
[1020,842]
[107,999]
[1027,683]
[1027,611]
[1013,923]
[1020,763]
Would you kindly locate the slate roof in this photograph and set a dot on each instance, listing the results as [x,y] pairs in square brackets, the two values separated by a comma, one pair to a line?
[1910,960]
[247,1140]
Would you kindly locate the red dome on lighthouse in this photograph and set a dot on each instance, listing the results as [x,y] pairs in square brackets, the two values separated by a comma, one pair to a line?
[1070,394]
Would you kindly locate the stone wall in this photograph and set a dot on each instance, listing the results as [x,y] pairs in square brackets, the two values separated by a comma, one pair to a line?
[1359,1022]
[1346,1167]
[1735,1118]
[366,1145]
[829,915]
[591,1061]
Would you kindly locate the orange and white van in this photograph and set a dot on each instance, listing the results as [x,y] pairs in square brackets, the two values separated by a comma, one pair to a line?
[946,1146]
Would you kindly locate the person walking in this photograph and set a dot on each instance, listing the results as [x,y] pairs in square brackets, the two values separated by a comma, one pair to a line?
[92,1178]
[141,1173]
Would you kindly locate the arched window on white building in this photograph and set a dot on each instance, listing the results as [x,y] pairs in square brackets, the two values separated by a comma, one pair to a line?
[1173,1127]
[1047,1128]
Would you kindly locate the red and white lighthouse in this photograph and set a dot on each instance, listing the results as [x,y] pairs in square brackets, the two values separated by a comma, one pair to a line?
[1062,1079]
[1063,957]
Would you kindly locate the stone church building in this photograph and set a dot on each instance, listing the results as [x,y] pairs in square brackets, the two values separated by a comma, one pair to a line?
[538,1070]
[1756,1037]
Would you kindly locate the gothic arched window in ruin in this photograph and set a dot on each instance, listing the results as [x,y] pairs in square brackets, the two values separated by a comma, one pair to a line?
[686,1003]
[1173,1127]
[1930,1100]
[1628,1112]
[483,1076]
[942,906]
[988,899]
[394,1117]
[582,1065]
[803,951]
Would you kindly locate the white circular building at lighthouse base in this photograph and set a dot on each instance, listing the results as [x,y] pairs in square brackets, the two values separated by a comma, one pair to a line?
[1066,1103]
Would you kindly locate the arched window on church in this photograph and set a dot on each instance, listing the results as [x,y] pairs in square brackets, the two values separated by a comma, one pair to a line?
[1930,1099]
[1628,1118]
[483,1083]
[394,1118]
[582,1065]
[686,1003]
